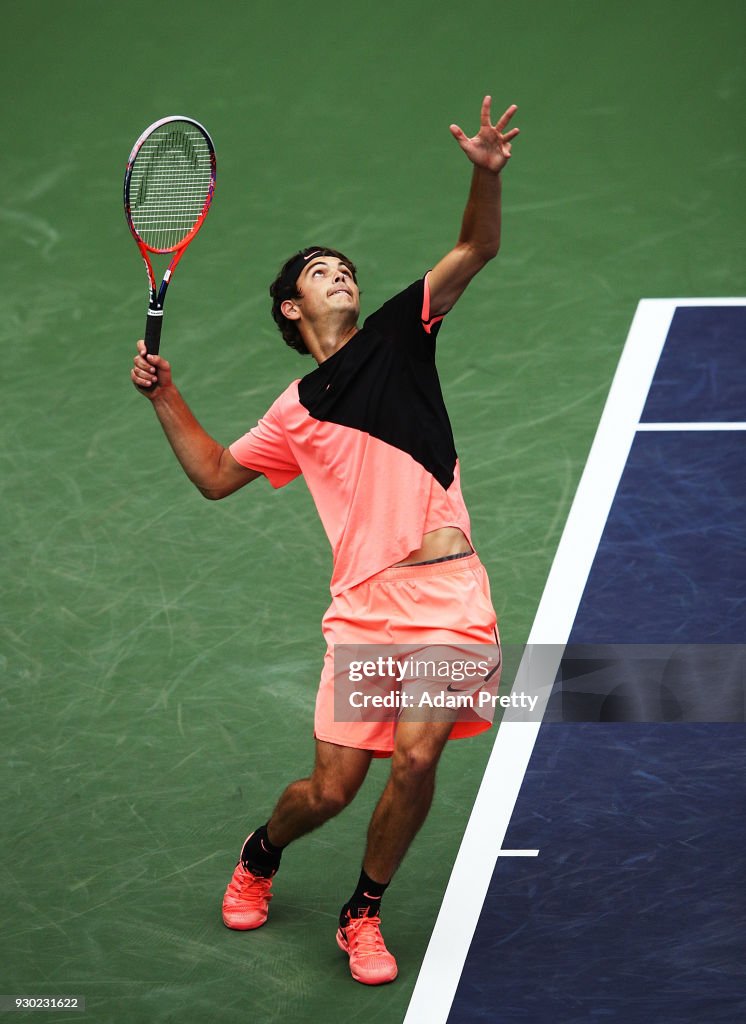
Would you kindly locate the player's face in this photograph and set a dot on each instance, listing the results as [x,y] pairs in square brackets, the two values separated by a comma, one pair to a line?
[327,283]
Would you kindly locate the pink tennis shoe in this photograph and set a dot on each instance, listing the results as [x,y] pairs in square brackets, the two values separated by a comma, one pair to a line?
[370,961]
[246,900]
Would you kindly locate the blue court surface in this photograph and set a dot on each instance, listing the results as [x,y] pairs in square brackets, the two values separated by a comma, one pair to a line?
[606,883]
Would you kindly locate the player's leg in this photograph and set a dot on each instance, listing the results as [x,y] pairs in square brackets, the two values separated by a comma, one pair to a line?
[337,775]
[398,817]
[305,804]
[407,797]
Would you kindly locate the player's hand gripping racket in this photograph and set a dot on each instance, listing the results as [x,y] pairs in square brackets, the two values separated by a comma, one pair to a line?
[168,188]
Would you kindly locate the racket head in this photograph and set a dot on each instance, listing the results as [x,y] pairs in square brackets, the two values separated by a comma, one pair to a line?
[169,183]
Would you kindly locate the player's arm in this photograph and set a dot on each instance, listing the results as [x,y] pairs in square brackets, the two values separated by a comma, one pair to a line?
[479,239]
[210,467]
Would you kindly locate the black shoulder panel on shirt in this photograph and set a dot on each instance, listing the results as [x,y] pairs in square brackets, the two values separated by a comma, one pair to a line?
[384,382]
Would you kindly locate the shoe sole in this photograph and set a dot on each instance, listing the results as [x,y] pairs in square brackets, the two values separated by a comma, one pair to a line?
[244,927]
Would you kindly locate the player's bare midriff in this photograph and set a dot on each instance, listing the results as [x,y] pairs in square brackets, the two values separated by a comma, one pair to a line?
[449,540]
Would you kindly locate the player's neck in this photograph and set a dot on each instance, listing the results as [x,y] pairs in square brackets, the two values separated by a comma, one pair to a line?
[323,340]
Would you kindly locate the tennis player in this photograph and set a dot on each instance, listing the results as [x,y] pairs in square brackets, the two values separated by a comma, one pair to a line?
[369,431]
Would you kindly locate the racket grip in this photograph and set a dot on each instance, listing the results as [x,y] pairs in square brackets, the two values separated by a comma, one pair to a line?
[153,331]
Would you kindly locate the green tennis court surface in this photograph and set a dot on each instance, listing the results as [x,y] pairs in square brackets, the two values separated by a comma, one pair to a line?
[160,654]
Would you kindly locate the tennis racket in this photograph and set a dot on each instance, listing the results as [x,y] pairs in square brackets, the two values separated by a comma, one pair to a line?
[168,187]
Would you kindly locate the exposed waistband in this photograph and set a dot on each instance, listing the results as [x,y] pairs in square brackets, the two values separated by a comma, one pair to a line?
[441,567]
[443,558]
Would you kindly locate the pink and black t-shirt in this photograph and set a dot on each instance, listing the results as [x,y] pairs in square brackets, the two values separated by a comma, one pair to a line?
[369,431]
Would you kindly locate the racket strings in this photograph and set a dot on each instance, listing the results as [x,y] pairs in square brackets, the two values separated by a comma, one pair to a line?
[170,183]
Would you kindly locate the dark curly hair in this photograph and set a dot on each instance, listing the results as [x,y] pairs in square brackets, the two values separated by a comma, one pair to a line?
[285,286]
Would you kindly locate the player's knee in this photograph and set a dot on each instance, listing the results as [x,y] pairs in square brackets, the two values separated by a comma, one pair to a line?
[330,796]
[414,764]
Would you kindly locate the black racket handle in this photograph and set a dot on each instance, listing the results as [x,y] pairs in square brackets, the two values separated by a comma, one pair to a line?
[153,331]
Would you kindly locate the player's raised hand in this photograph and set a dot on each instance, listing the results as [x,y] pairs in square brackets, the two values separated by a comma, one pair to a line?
[490,148]
[150,373]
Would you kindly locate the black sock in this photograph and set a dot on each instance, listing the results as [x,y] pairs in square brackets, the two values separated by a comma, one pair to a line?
[365,901]
[259,855]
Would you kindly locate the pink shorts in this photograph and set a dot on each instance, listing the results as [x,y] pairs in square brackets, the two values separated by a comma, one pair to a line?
[444,603]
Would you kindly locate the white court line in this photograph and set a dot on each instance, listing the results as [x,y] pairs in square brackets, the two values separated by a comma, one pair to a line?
[518,853]
[493,808]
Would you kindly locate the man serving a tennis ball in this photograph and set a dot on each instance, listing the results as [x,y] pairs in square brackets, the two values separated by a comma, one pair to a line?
[369,431]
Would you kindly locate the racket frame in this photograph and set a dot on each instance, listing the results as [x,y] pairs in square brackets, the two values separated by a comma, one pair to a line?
[157,295]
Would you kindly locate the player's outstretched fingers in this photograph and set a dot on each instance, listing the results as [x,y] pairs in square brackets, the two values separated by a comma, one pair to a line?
[505,119]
